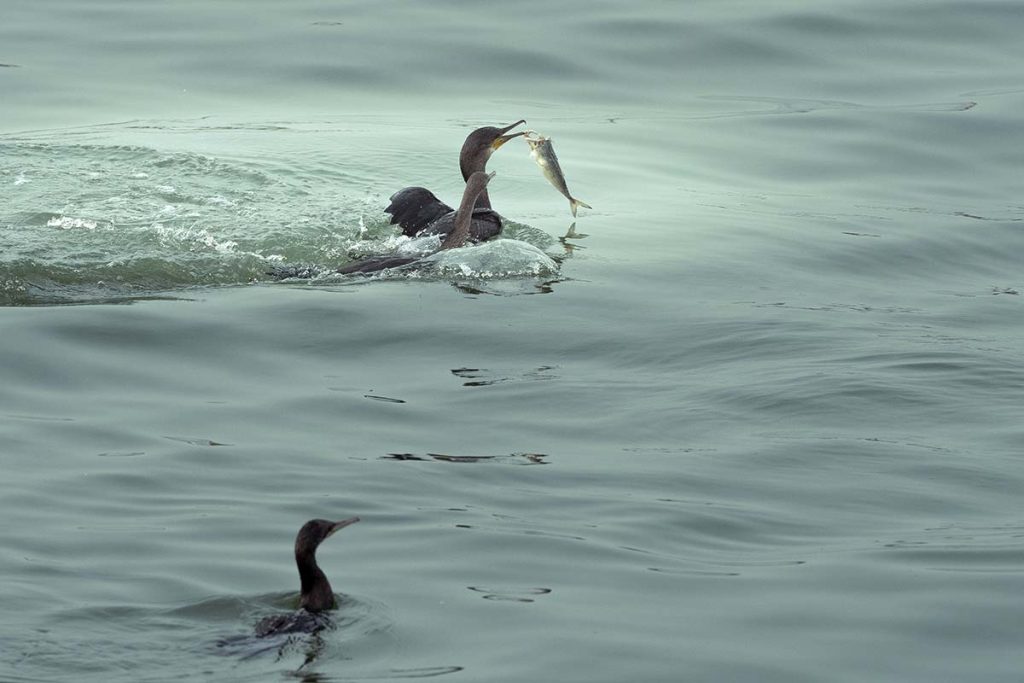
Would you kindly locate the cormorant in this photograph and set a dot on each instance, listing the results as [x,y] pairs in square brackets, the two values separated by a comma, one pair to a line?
[459,231]
[418,211]
[317,596]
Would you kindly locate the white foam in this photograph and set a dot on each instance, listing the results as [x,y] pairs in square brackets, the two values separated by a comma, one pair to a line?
[498,258]
[70,223]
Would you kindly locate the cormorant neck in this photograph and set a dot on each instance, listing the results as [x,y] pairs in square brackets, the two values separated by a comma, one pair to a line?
[482,201]
[470,165]
[463,218]
[317,595]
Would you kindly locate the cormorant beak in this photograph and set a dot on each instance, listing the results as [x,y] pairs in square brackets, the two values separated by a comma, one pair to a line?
[337,526]
[502,138]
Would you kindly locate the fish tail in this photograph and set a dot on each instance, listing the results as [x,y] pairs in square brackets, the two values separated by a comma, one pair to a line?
[574,203]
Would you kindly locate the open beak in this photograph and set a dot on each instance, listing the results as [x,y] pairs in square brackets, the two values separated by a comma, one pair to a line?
[502,139]
[342,524]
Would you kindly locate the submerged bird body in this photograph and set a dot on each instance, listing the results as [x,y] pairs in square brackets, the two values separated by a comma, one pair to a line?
[460,231]
[544,154]
[417,210]
[316,596]
[295,622]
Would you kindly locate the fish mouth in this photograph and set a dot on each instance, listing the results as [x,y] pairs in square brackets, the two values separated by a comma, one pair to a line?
[338,526]
[503,138]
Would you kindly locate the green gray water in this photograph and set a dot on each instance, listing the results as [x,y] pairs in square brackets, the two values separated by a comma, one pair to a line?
[763,423]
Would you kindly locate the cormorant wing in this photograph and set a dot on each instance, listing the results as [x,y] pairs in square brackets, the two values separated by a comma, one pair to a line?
[414,208]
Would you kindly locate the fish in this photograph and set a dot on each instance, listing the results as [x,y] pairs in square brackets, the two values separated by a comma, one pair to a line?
[544,154]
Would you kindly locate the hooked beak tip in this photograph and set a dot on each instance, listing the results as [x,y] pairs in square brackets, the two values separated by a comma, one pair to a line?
[342,524]
[503,138]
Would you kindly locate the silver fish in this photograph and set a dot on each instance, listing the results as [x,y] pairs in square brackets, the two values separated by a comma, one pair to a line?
[544,154]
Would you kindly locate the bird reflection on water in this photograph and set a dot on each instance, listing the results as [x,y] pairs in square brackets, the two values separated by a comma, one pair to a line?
[516,458]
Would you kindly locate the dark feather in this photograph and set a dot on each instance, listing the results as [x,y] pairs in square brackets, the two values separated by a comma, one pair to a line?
[419,212]
[485,225]
[414,208]
[374,264]
[294,622]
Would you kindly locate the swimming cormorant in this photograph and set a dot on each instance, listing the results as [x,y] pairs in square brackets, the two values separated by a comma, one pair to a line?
[461,228]
[418,211]
[316,596]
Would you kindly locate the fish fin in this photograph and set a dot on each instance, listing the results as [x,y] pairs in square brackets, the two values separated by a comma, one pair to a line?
[574,203]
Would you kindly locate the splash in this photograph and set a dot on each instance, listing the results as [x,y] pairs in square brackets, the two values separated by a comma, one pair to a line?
[496,259]
[108,222]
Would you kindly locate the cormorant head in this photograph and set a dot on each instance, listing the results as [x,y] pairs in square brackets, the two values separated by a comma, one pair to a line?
[317,595]
[480,145]
[315,531]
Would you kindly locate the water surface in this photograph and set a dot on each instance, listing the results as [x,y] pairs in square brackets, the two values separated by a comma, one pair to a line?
[762,423]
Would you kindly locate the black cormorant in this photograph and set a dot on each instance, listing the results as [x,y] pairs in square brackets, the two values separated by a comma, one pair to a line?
[459,231]
[418,211]
[317,596]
